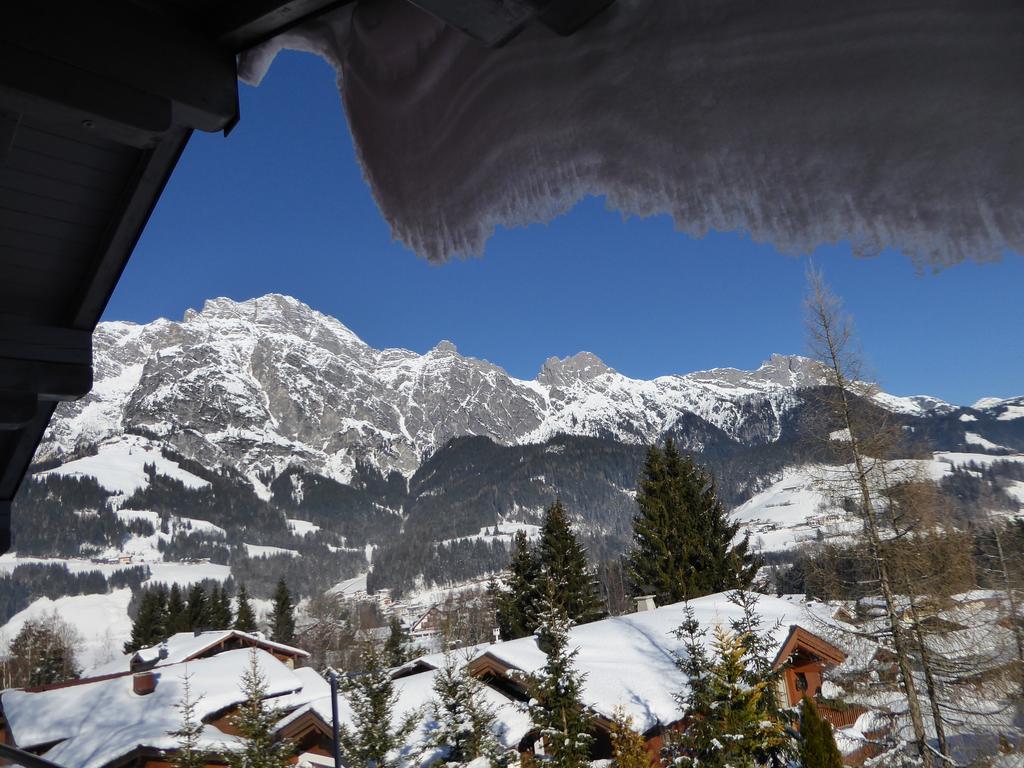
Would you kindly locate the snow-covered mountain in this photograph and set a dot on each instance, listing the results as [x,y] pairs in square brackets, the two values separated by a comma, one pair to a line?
[263,384]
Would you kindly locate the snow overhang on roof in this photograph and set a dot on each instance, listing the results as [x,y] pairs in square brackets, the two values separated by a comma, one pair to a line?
[889,123]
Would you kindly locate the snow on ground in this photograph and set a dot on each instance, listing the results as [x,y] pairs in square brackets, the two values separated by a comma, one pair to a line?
[101,620]
[182,574]
[982,459]
[1011,412]
[302,527]
[10,561]
[186,574]
[119,466]
[194,525]
[795,509]
[788,513]
[350,587]
[973,438]
[504,532]
[258,550]
[131,515]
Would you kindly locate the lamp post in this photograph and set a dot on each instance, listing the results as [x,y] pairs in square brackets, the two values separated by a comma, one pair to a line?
[334,718]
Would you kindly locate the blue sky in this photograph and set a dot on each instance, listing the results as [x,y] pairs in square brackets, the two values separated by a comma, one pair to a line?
[281,206]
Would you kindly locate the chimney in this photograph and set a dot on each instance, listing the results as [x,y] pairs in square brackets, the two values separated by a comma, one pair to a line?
[144,683]
[645,603]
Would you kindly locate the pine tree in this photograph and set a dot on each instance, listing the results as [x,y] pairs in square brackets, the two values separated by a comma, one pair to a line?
[398,647]
[563,562]
[556,707]
[371,696]
[254,722]
[817,744]
[282,618]
[629,750]
[727,726]
[463,721]
[682,536]
[189,753]
[150,625]
[245,618]
[517,600]
[760,649]
[177,612]
[198,611]
[220,608]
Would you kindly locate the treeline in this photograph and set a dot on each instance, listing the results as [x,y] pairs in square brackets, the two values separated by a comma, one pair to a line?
[31,581]
[401,565]
[58,516]
[315,569]
[162,611]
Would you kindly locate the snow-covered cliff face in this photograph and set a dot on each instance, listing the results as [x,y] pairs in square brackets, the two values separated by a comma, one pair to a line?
[270,382]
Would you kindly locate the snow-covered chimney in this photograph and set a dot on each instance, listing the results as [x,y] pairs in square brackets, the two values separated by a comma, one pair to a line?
[144,683]
[645,603]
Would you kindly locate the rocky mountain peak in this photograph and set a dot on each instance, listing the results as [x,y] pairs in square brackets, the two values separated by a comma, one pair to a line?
[445,347]
[583,366]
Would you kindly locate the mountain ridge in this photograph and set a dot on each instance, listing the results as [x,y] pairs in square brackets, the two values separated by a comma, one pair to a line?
[268,382]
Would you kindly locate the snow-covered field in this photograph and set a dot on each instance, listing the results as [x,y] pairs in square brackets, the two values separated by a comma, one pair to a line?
[796,509]
[182,574]
[101,620]
[119,466]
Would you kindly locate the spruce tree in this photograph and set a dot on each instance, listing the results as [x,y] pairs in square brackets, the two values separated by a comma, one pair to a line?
[463,721]
[254,722]
[245,618]
[189,753]
[177,612]
[727,725]
[516,602]
[556,707]
[563,562]
[682,536]
[149,626]
[398,647]
[198,611]
[817,744]
[220,608]
[282,618]
[760,649]
[372,738]
[629,750]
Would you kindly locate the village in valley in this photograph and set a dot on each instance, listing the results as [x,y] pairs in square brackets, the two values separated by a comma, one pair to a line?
[893,637]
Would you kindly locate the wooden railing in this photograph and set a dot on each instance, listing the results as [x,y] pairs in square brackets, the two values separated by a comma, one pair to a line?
[841,718]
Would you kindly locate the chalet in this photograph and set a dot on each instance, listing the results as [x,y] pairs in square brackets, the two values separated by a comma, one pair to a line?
[124,718]
[628,662]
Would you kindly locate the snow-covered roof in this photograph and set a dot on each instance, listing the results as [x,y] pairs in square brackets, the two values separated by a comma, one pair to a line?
[629,661]
[186,646]
[414,695]
[95,723]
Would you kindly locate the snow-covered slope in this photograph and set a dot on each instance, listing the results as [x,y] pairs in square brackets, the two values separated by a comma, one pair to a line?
[269,382]
[796,509]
